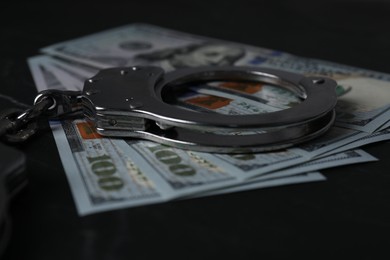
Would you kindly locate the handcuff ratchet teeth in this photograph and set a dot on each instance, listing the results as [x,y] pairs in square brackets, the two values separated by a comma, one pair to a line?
[131,102]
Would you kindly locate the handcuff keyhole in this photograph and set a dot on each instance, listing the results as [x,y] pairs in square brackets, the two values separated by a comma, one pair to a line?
[112,122]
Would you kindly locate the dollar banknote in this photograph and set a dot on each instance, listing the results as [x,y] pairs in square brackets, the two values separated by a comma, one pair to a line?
[324,162]
[252,165]
[106,174]
[378,136]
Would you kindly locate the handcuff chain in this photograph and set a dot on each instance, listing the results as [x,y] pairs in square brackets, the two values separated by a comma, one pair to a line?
[18,125]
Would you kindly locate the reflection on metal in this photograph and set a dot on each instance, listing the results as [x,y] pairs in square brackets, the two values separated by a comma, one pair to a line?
[132,102]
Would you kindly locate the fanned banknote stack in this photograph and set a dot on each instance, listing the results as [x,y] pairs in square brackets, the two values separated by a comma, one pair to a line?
[106,174]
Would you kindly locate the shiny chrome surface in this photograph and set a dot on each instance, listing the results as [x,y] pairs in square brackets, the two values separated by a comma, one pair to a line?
[129,102]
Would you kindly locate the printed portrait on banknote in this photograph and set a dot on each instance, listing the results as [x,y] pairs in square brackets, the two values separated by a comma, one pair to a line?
[204,54]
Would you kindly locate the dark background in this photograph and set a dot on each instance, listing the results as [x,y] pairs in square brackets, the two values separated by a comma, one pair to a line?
[346,216]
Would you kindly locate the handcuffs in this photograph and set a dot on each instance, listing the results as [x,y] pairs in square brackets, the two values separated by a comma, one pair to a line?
[132,102]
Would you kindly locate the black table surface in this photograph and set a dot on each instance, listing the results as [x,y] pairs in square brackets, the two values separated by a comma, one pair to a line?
[346,216]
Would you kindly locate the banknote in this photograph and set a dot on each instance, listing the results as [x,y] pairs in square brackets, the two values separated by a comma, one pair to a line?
[378,136]
[140,44]
[256,164]
[143,44]
[103,176]
[298,171]
[260,163]
[251,165]
[44,78]
[147,172]
[325,162]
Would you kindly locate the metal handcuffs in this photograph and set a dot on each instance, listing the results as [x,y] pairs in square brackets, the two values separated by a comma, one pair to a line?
[130,102]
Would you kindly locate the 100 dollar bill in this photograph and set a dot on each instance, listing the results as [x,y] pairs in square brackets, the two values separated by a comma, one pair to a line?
[104,175]
[252,165]
[146,172]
